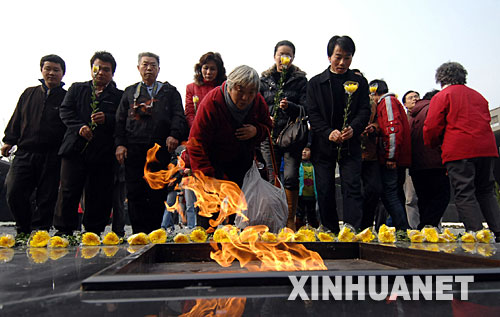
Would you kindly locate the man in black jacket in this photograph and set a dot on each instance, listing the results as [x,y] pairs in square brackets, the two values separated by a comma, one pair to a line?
[37,130]
[326,103]
[150,112]
[87,151]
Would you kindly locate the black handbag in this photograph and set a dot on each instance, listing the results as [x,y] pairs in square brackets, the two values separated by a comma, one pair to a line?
[295,135]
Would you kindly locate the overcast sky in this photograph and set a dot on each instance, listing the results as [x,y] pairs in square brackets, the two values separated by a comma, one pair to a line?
[402,42]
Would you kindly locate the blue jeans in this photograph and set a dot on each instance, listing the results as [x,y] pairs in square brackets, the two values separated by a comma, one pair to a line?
[168,217]
[391,198]
[190,211]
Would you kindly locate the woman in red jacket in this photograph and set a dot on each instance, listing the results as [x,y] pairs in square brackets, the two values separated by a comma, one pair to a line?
[209,73]
[459,119]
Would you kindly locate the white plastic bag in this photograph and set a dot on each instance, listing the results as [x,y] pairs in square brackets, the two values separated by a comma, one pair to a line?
[266,203]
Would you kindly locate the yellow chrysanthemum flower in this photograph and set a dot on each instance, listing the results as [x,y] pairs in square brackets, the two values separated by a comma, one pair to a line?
[110,251]
[40,239]
[326,237]
[430,234]
[450,234]
[484,236]
[6,255]
[198,235]
[309,235]
[468,237]
[58,242]
[158,236]
[181,238]
[387,237]
[350,87]
[299,237]
[444,238]
[221,235]
[95,70]
[56,254]
[373,89]
[346,235]
[138,239]
[196,99]
[111,238]
[486,249]
[365,235]
[286,235]
[386,234]
[285,60]
[90,238]
[38,254]
[268,237]
[7,241]
[89,251]
[415,235]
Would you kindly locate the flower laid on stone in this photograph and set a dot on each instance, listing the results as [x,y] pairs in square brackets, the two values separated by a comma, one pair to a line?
[268,237]
[468,237]
[430,234]
[110,251]
[309,234]
[39,239]
[249,234]
[7,241]
[198,235]
[485,236]
[365,235]
[450,234]
[299,237]
[286,235]
[89,251]
[158,236]
[326,236]
[138,239]
[386,234]
[90,238]
[181,238]
[415,236]
[347,234]
[221,235]
[111,238]
[6,255]
[57,253]
[58,242]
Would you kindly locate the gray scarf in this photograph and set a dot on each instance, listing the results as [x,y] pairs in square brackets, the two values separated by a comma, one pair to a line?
[237,113]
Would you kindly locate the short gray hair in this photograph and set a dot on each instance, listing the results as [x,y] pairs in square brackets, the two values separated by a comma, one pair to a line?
[451,73]
[148,54]
[244,76]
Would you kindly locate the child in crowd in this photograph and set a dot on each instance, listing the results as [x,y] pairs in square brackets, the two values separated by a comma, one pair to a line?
[306,213]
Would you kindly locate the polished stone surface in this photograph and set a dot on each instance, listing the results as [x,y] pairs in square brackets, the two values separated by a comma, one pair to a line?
[43,282]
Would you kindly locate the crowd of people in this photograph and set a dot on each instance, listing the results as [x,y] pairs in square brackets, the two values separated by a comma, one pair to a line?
[87,147]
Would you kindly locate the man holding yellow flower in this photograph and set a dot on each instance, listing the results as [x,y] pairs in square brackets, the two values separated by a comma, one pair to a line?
[339,108]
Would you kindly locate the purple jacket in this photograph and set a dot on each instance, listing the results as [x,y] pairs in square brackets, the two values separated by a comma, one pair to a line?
[422,157]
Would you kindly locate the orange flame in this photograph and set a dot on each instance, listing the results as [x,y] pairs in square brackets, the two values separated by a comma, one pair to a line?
[212,195]
[220,306]
[176,207]
[279,256]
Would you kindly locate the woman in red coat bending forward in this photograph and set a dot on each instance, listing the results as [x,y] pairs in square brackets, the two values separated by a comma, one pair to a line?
[231,121]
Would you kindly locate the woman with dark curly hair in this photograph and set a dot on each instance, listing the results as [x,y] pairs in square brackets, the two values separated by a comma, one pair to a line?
[459,121]
[291,100]
[209,73]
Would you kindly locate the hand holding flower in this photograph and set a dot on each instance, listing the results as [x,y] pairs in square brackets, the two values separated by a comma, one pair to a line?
[335,136]
[284,104]
[98,117]
[86,132]
[347,133]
